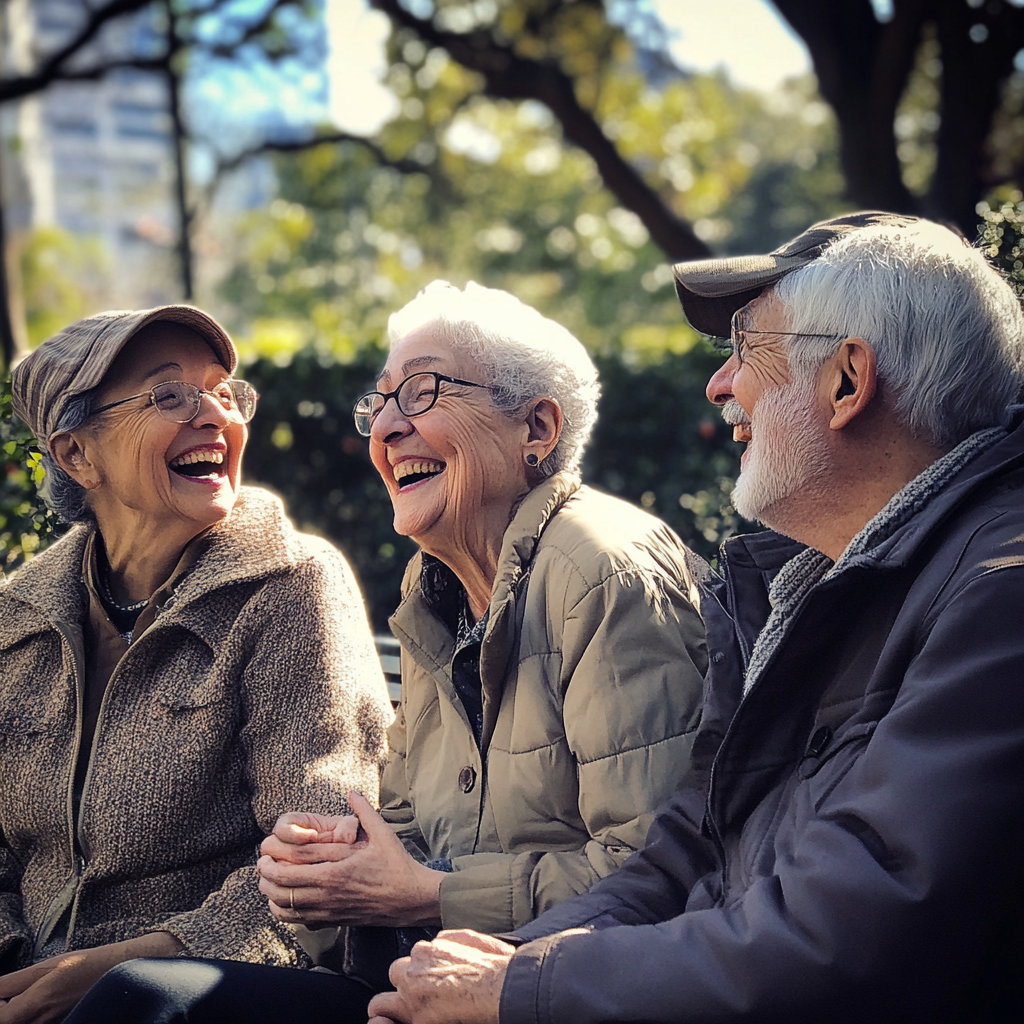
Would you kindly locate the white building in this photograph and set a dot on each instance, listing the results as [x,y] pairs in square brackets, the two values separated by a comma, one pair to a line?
[95,159]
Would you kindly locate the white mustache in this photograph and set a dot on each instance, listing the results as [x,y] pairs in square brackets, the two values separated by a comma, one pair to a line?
[733,414]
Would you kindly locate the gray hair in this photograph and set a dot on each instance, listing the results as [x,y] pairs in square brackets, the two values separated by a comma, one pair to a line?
[947,330]
[521,353]
[62,493]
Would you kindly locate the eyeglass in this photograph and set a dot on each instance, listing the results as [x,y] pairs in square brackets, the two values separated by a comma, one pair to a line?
[414,396]
[177,401]
[734,345]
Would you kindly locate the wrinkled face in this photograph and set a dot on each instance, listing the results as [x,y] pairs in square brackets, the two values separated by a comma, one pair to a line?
[150,467]
[455,470]
[777,417]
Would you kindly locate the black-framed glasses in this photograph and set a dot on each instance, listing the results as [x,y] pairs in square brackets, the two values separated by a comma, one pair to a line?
[178,401]
[734,345]
[414,396]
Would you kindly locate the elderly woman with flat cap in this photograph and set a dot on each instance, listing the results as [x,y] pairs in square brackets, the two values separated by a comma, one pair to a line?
[552,662]
[175,672]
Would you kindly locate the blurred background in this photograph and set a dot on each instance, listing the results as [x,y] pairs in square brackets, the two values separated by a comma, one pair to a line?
[301,168]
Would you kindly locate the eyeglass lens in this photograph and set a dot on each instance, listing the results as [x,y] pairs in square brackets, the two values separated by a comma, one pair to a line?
[179,402]
[414,396]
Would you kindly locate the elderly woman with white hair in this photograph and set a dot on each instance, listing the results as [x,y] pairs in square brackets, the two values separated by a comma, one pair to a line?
[552,659]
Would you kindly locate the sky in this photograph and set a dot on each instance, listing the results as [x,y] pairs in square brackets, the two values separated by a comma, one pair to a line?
[746,37]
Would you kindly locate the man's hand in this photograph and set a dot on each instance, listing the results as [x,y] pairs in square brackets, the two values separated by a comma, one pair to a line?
[456,979]
[353,879]
[48,991]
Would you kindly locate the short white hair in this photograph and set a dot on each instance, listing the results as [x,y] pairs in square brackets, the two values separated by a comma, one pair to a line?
[522,354]
[947,330]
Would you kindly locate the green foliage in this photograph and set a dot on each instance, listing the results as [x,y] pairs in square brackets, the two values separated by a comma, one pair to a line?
[1001,235]
[61,279]
[26,525]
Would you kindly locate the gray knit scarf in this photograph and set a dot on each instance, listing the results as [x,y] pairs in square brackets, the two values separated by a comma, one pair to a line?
[802,573]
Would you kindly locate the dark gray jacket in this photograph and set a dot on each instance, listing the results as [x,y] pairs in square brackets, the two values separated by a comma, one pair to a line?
[847,846]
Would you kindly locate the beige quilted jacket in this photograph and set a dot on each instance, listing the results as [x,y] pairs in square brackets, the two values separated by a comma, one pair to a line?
[255,691]
[592,670]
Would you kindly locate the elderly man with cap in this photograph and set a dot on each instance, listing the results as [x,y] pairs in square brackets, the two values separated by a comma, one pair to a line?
[846,847]
[175,672]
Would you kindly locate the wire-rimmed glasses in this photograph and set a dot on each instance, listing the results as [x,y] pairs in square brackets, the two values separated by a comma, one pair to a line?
[739,333]
[179,401]
[414,396]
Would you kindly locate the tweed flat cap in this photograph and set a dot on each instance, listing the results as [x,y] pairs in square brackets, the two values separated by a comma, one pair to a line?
[78,358]
[712,290]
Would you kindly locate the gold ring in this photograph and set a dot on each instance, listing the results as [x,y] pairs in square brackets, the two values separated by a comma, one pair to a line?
[291,900]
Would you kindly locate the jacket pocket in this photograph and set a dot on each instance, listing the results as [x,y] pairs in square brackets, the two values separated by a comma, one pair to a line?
[825,770]
[16,723]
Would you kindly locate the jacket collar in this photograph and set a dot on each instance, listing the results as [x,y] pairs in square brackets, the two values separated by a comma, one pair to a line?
[251,543]
[423,635]
[895,534]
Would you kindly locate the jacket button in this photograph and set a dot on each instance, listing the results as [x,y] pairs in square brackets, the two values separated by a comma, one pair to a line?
[467,778]
[819,741]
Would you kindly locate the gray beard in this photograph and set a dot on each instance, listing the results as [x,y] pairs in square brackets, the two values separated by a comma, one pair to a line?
[787,453]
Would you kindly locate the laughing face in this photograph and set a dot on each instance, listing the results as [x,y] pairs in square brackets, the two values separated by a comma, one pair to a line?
[455,472]
[775,416]
[148,472]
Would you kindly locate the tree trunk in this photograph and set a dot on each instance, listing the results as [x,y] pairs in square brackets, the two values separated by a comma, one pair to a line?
[174,47]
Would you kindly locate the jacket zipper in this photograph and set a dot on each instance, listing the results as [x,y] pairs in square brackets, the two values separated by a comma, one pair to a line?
[69,890]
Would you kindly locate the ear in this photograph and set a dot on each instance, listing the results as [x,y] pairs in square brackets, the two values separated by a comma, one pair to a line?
[70,452]
[851,378]
[543,428]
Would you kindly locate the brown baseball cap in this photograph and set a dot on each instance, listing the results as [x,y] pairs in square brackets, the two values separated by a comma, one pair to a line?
[712,290]
[78,358]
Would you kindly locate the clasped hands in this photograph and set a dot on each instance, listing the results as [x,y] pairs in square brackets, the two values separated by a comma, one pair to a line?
[323,870]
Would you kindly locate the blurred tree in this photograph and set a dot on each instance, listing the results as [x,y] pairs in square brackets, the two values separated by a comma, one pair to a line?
[189,33]
[564,52]
[865,65]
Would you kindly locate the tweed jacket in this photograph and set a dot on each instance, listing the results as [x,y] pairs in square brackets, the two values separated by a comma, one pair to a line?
[255,691]
[591,668]
[847,847]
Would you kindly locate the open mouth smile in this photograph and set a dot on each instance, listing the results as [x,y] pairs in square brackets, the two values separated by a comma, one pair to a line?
[413,471]
[200,464]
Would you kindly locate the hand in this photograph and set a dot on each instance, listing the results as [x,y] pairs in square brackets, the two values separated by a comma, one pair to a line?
[456,979]
[348,882]
[48,991]
[295,831]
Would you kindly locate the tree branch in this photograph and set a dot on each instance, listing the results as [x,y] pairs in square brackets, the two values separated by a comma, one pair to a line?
[403,164]
[509,76]
[53,68]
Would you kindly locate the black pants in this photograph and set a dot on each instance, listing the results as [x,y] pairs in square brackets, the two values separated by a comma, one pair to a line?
[174,991]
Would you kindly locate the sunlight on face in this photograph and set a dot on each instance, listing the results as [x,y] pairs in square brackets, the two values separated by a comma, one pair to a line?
[453,473]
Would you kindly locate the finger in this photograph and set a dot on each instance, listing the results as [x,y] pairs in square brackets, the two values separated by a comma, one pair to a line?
[297,827]
[475,940]
[387,1006]
[309,853]
[14,984]
[293,876]
[375,827]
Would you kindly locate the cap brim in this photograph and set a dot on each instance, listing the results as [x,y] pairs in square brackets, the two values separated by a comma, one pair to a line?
[711,291]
